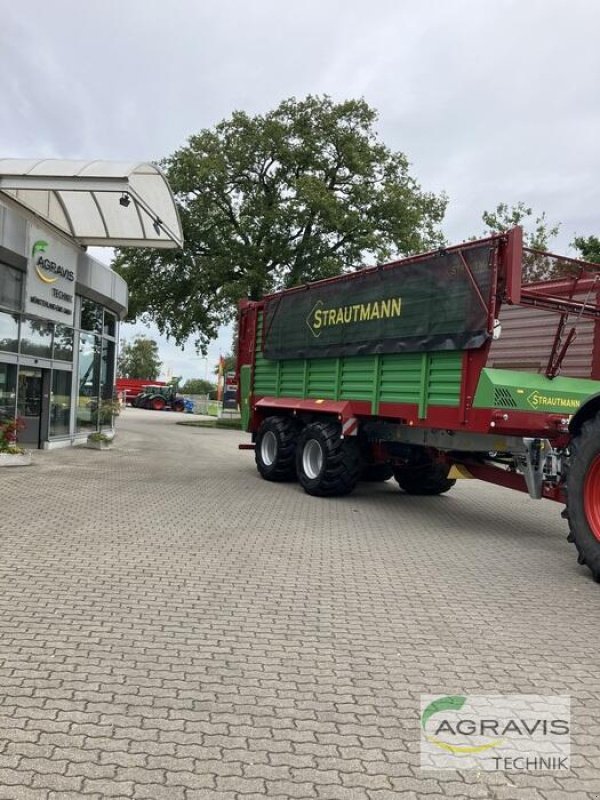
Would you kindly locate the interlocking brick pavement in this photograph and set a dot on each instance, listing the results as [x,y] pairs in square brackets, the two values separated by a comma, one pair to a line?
[173,627]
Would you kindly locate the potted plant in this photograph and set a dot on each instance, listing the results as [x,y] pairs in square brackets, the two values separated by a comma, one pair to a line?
[11,454]
[99,441]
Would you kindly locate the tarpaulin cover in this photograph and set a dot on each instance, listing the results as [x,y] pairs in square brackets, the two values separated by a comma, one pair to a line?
[423,305]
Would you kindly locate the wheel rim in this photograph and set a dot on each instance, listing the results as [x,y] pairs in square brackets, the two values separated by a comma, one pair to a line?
[268,448]
[312,459]
[591,497]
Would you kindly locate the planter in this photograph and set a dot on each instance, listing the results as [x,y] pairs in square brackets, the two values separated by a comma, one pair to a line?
[98,445]
[18,460]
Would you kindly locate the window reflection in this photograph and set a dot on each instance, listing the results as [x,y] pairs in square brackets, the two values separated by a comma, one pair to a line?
[9,332]
[63,343]
[91,316]
[60,403]
[8,391]
[36,338]
[89,373]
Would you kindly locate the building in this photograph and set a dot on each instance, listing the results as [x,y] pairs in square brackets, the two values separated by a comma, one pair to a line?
[60,308]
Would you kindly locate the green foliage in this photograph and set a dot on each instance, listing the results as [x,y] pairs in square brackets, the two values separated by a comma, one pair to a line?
[139,359]
[229,364]
[274,200]
[537,235]
[198,386]
[588,247]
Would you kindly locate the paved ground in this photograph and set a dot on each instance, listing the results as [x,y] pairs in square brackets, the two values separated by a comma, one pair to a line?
[173,627]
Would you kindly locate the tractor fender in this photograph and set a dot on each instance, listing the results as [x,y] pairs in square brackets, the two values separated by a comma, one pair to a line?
[587,411]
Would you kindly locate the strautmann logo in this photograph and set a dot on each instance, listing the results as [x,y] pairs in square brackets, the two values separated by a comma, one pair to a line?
[48,271]
[495,732]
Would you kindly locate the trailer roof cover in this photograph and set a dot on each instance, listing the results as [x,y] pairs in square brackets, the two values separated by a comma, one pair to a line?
[438,301]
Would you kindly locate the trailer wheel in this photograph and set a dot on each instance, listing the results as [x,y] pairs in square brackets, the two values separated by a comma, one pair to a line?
[275,449]
[327,465]
[425,479]
[376,473]
[178,405]
[583,494]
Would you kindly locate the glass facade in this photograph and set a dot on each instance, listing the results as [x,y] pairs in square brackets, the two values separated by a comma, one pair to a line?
[60,403]
[78,365]
[8,391]
[9,332]
[11,287]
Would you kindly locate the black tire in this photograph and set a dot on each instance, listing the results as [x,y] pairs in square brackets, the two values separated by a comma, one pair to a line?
[583,483]
[275,449]
[326,464]
[424,479]
[178,405]
[377,473]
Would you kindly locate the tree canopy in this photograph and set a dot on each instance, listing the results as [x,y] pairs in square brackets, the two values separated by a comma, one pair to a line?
[588,247]
[273,200]
[139,359]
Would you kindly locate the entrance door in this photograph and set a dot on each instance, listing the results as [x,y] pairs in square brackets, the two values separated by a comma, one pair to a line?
[29,405]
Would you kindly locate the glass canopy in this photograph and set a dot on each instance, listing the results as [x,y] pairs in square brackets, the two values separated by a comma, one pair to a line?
[98,203]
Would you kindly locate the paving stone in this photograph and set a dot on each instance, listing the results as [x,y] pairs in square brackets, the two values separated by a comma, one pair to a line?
[188,631]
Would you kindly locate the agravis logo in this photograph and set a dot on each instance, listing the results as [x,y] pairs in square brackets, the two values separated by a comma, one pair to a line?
[48,266]
[495,732]
[444,727]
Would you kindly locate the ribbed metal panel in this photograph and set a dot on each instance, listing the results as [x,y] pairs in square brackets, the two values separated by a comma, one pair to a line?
[358,375]
[445,370]
[400,378]
[527,337]
[291,378]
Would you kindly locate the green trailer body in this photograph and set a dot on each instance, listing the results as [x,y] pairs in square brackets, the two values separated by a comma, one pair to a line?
[385,372]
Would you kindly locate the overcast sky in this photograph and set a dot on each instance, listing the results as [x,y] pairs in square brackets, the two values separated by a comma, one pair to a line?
[491,101]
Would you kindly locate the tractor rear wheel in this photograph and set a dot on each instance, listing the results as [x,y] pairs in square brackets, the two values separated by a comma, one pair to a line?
[275,449]
[327,465]
[157,403]
[424,479]
[583,494]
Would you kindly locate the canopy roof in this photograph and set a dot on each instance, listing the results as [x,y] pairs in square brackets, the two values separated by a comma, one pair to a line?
[100,203]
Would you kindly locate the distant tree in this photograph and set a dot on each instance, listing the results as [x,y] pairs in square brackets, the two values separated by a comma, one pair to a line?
[274,200]
[198,386]
[229,364]
[537,235]
[589,248]
[139,359]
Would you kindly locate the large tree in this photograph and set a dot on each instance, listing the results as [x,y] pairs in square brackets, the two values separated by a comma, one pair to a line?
[538,234]
[588,247]
[139,359]
[300,193]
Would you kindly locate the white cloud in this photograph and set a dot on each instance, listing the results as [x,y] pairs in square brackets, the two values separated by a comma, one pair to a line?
[492,102]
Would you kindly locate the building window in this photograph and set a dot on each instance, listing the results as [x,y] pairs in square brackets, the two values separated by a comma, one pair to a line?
[110,323]
[36,338]
[60,403]
[9,332]
[8,391]
[91,316]
[11,287]
[89,373]
[63,343]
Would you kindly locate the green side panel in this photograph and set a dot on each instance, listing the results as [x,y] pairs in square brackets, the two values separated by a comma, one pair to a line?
[357,378]
[400,380]
[321,378]
[443,385]
[245,386]
[265,372]
[291,378]
[528,391]
[422,379]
